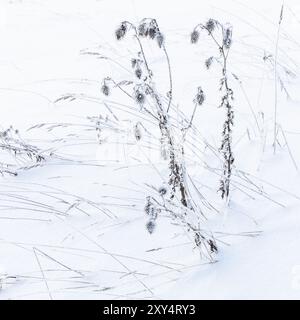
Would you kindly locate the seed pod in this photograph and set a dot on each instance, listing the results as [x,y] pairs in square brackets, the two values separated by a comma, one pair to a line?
[142,30]
[210,25]
[105,89]
[121,31]
[200,97]
[150,226]
[194,36]
[152,31]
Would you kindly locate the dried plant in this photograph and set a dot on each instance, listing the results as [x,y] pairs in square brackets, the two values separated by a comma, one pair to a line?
[157,106]
[221,35]
[19,153]
[144,90]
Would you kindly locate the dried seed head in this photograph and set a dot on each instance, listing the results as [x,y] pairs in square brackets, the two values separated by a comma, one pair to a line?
[200,97]
[138,72]
[210,25]
[208,62]
[227,36]
[149,29]
[152,31]
[139,97]
[121,31]
[160,39]
[4,134]
[162,191]
[195,36]
[150,209]
[138,132]
[105,89]
[142,30]
[150,226]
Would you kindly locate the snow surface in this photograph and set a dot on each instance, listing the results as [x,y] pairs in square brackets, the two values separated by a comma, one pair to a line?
[74,227]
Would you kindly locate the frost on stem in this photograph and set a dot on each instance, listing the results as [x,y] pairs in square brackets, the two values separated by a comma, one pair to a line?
[223,41]
[226,146]
[176,179]
[227,98]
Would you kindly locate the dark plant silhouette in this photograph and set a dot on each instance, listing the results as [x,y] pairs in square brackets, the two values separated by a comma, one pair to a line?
[221,35]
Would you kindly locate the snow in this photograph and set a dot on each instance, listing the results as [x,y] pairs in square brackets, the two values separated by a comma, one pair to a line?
[74,227]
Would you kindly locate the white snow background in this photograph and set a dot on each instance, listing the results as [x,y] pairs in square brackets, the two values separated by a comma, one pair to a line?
[73,226]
